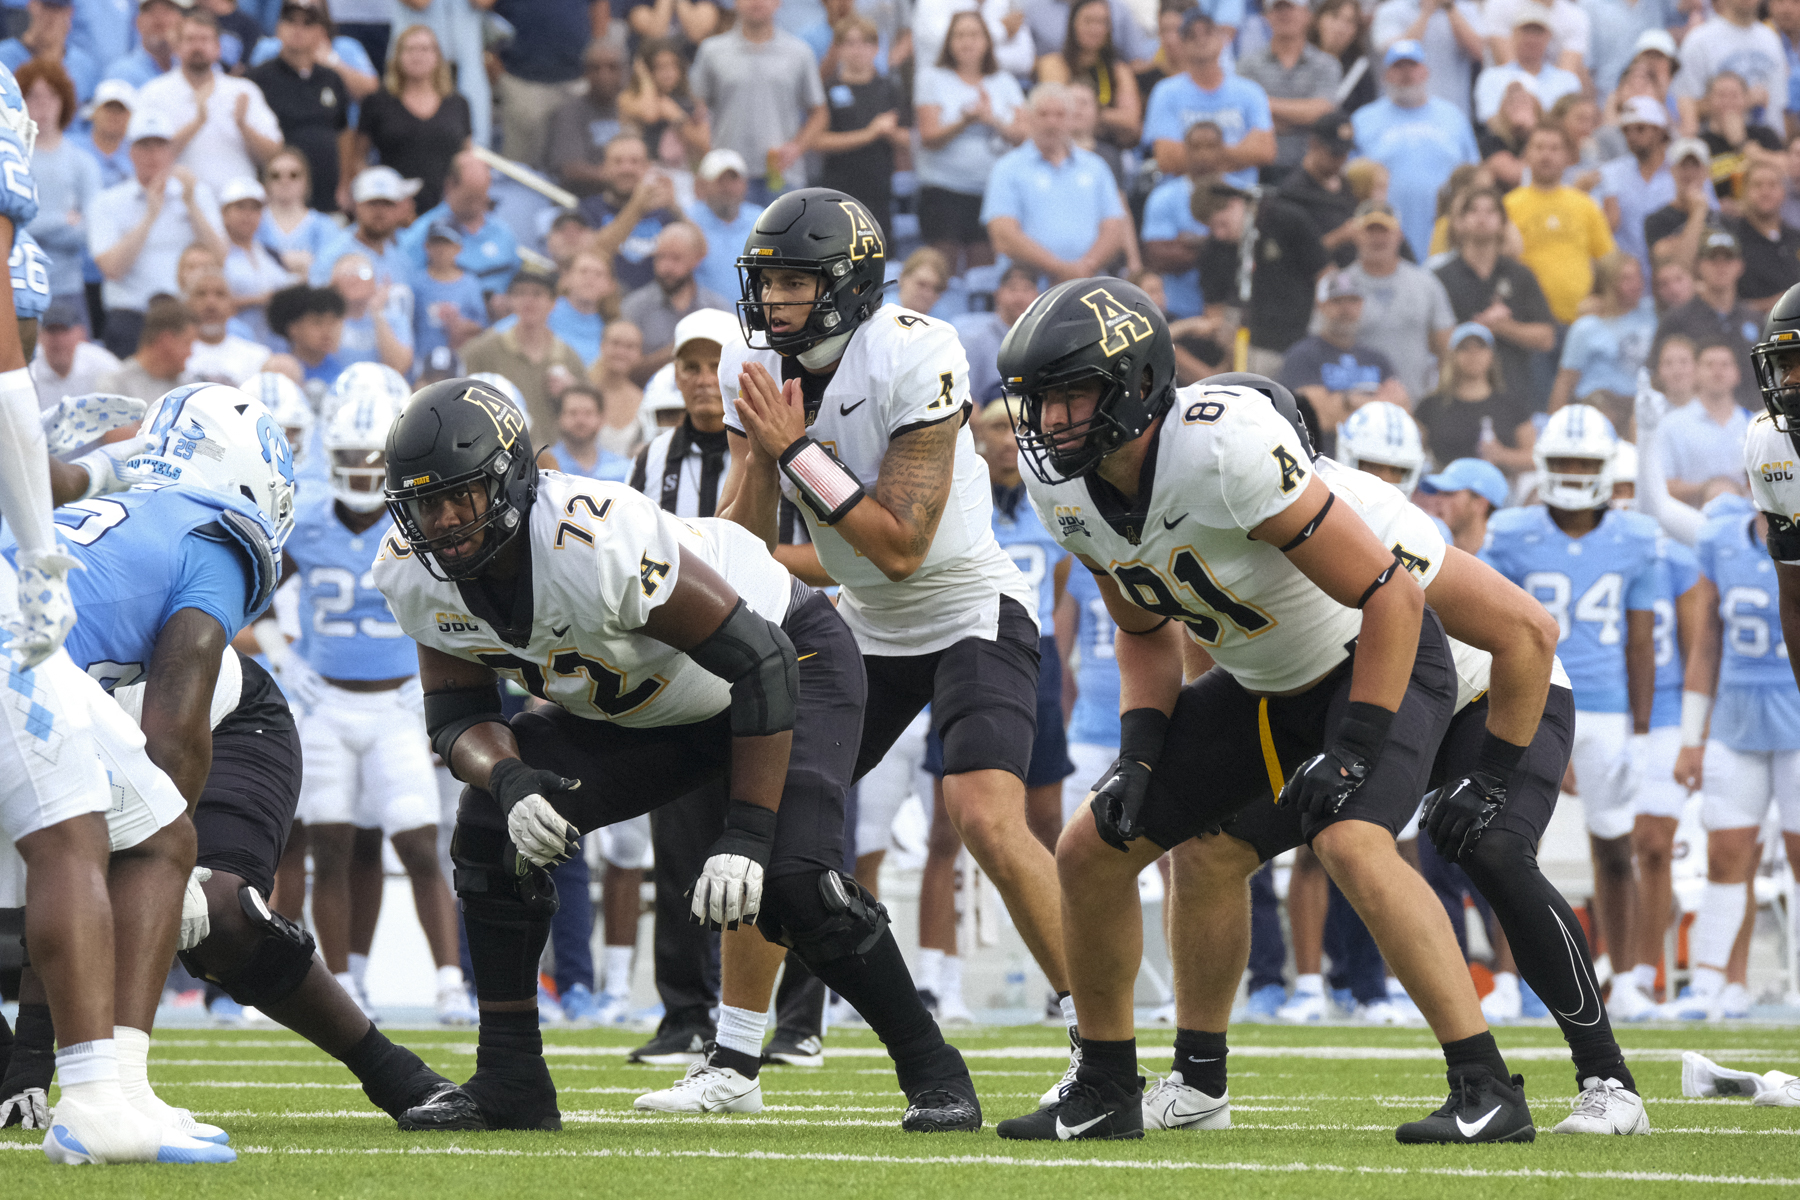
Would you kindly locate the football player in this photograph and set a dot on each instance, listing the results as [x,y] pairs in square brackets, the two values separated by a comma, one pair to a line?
[1155,492]
[671,653]
[1383,439]
[857,412]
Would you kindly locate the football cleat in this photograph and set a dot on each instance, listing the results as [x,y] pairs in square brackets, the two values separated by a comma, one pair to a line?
[1481,1108]
[457,1108]
[1605,1106]
[705,1089]
[679,1046]
[549,1010]
[579,1006]
[1265,1002]
[1305,1008]
[1091,1108]
[455,1008]
[1173,1104]
[1688,1005]
[83,1134]
[1501,1006]
[942,1110]
[788,1048]
[1053,1013]
[612,1010]
[1531,1005]
[1068,1077]
[1734,1002]
[1701,1077]
[1628,1003]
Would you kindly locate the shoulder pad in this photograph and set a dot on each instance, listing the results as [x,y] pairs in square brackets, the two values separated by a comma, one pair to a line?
[253,536]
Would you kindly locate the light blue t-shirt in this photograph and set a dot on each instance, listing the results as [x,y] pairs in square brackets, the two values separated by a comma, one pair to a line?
[359,344]
[1609,350]
[492,255]
[579,330]
[1237,106]
[1167,215]
[310,235]
[1696,448]
[83,70]
[1058,206]
[725,240]
[1419,147]
[135,67]
[391,263]
[104,30]
[964,163]
[428,328]
[1758,706]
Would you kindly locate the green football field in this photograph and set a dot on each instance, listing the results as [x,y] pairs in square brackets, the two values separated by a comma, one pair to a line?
[1313,1111]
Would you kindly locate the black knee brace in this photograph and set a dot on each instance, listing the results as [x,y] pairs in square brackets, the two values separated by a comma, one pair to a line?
[507,915]
[823,917]
[277,965]
[485,867]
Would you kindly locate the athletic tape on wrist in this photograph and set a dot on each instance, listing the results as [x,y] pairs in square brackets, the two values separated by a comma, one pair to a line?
[1696,707]
[827,485]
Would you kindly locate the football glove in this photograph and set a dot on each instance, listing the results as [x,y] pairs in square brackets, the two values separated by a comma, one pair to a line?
[729,890]
[195,923]
[1326,781]
[543,836]
[1456,814]
[74,421]
[46,610]
[1119,795]
[28,1109]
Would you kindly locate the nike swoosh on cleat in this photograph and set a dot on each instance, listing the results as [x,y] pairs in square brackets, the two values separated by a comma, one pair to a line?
[1188,1115]
[1065,1132]
[1470,1130]
[844,412]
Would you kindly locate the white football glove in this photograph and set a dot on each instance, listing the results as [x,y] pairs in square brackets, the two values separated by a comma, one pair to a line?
[102,466]
[75,421]
[542,835]
[46,610]
[303,686]
[728,892]
[29,1109]
[195,924]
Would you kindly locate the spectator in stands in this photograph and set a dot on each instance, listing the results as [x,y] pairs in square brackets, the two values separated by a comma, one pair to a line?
[577,449]
[46,39]
[1052,205]
[581,126]
[1771,246]
[1503,137]
[449,307]
[309,99]
[1715,314]
[66,362]
[1405,309]
[1529,65]
[1416,136]
[761,85]
[223,127]
[1088,55]
[1496,291]
[1208,92]
[1290,254]
[1332,372]
[1173,237]
[924,277]
[251,271]
[1566,22]
[1475,412]
[1605,348]
[1318,188]
[1015,47]
[1463,496]
[165,336]
[378,317]
[416,123]
[1675,370]
[540,68]
[138,229]
[1449,32]
[218,355]
[109,117]
[982,333]
[687,23]
[490,251]
[620,348]
[633,204]
[1339,28]
[538,362]
[1733,39]
[589,300]
[671,295]
[312,321]
[67,178]
[157,24]
[1577,115]
[1562,229]
[342,53]
[1300,79]
[968,110]
[719,211]
[1614,29]
[1704,440]
[292,230]
[1637,184]
[674,125]
[1733,138]
[857,148]
[1674,232]
[568,233]
[375,197]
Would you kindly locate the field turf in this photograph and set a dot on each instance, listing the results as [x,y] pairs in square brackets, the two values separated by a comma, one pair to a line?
[1313,1114]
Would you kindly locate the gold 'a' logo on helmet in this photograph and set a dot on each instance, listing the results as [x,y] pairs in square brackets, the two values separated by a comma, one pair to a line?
[1119,326]
[508,421]
[865,236]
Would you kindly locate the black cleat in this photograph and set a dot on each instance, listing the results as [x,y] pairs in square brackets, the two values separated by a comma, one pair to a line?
[942,1110]
[680,1046]
[456,1108]
[794,1048]
[1480,1109]
[1091,1108]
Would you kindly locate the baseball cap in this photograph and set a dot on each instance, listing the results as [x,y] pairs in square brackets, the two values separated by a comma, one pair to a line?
[1642,110]
[660,393]
[1337,285]
[709,324]
[533,271]
[64,312]
[1659,40]
[184,4]
[443,231]
[1717,241]
[149,123]
[1335,132]
[1404,50]
[111,91]
[719,161]
[1470,475]
[1471,329]
[1530,14]
[1369,212]
[1194,16]
[382,183]
[1688,147]
[242,188]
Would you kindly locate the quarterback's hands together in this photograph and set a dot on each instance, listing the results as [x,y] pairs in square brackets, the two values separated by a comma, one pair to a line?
[729,890]
[1326,780]
[195,924]
[75,421]
[46,610]
[1120,793]
[1456,814]
[543,836]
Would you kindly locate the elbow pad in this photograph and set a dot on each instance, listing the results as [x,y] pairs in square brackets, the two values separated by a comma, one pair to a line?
[754,656]
[453,712]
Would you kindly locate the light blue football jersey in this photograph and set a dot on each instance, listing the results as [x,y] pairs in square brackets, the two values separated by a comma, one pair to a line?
[346,628]
[1758,706]
[1023,536]
[1096,716]
[1678,571]
[150,552]
[30,268]
[1588,584]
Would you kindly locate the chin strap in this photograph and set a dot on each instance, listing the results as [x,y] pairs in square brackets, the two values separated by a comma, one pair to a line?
[826,352]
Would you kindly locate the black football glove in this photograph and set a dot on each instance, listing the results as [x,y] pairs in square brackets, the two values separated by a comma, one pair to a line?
[1119,795]
[1327,780]
[1456,814]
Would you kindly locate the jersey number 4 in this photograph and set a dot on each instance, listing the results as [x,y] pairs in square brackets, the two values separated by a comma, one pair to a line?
[1603,604]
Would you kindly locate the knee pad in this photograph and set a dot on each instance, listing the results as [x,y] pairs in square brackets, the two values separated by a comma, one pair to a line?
[486,870]
[823,917]
[274,968]
[1500,856]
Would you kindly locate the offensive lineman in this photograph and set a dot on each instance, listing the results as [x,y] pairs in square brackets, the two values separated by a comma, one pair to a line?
[671,652]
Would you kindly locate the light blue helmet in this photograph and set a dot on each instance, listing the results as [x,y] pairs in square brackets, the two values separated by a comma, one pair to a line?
[355,441]
[13,114]
[222,440]
[284,399]
[364,379]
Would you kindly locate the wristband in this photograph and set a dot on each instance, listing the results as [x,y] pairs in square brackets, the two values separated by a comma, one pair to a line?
[510,782]
[1498,757]
[1141,733]
[1364,728]
[829,488]
[1696,707]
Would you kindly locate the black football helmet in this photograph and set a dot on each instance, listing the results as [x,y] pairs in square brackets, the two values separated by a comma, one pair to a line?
[1780,340]
[460,434]
[1101,328]
[827,233]
[1279,396]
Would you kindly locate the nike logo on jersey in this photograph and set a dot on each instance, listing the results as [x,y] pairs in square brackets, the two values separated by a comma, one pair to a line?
[559,632]
[1470,1130]
[1065,1132]
[846,410]
[1168,524]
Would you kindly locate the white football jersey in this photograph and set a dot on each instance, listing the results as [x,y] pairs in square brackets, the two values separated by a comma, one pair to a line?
[902,371]
[1771,463]
[603,557]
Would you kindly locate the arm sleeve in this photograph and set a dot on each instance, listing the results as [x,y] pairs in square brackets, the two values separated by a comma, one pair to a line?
[24,466]
[215,578]
[638,561]
[1680,521]
[932,383]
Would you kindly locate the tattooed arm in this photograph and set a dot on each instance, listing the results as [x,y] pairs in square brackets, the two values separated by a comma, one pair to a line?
[894,524]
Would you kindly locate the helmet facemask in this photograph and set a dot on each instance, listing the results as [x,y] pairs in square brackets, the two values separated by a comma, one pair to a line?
[497,523]
[826,311]
[358,477]
[1777,365]
[1572,492]
[1059,455]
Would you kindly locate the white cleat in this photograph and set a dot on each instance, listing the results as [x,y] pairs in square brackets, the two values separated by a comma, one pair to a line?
[1502,1005]
[177,1120]
[1172,1104]
[1381,1012]
[954,1010]
[1056,1089]
[454,1007]
[1689,1006]
[1605,1106]
[705,1089]
[85,1134]
[1304,1008]
[1733,1003]
[1628,1002]
[1783,1094]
